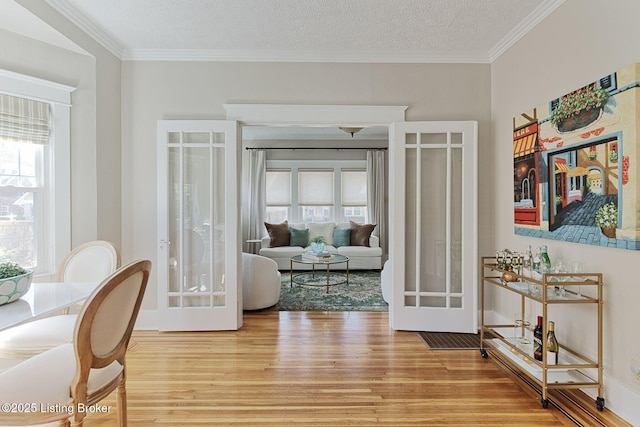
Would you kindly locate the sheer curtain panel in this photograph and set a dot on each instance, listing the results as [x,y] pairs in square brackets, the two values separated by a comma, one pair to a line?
[376,179]
[254,200]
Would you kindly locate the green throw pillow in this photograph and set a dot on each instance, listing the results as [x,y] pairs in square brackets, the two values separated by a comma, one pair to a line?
[341,237]
[299,237]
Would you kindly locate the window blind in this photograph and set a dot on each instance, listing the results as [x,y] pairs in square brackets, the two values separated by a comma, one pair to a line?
[278,187]
[315,187]
[354,188]
[24,120]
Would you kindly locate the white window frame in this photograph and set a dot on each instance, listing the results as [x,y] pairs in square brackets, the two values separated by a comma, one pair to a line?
[336,165]
[57,168]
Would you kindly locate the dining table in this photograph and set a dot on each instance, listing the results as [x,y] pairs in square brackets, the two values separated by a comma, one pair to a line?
[43,299]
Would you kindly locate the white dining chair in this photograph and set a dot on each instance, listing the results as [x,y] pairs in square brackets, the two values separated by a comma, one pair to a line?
[60,382]
[90,262]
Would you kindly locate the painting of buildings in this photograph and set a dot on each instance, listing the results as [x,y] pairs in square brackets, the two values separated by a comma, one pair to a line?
[574,170]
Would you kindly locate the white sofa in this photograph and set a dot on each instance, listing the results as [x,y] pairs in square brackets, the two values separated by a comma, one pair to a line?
[360,257]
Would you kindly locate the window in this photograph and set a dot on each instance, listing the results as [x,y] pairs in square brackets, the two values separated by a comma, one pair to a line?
[34,165]
[316,191]
[21,190]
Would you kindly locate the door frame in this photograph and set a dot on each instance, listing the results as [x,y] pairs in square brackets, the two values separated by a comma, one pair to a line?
[292,115]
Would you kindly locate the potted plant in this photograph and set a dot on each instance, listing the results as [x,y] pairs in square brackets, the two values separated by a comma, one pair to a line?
[579,109]
[14,282]
[607,219]
[317,244]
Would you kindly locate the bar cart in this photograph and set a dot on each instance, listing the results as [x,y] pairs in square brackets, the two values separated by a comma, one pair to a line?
[574,370]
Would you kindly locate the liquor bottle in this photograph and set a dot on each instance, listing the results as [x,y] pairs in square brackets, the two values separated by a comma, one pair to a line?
[545,259]
[537,258]
[537,340]
[527,262]
[552,346]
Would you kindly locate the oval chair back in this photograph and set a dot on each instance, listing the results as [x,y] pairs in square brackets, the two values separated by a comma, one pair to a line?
[89,262]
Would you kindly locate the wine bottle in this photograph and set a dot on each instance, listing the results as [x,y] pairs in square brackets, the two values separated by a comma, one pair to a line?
[545,259]
[537,340]
[552,345]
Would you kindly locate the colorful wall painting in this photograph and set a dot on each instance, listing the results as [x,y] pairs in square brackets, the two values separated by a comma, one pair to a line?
[574,169]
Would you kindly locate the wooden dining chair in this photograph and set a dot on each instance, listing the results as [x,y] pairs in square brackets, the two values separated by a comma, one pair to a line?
[62,383]
[90,262]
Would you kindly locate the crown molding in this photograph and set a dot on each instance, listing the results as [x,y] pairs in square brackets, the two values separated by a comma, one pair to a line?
[83,22]
[300,56]
[527,24]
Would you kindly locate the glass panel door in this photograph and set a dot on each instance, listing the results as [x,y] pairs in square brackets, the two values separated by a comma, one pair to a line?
[197,172]
[433,251]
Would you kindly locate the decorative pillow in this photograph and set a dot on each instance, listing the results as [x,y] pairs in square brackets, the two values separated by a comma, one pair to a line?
[299,237]
[279,234]
[360,233]
[324,229]
[341,237]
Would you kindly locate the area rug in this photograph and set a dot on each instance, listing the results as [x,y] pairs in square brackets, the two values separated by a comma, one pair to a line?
[363,293]
[450,341]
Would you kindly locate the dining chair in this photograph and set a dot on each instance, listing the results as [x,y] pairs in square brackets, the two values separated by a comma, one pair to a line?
[89,262]
[65,383]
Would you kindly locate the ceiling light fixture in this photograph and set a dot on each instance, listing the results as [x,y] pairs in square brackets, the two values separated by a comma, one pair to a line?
[352,131]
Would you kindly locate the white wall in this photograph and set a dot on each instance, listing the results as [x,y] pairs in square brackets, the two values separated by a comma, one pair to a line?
[580,42]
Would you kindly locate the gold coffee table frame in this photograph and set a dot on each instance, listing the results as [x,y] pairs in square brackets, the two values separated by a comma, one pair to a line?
[335,259]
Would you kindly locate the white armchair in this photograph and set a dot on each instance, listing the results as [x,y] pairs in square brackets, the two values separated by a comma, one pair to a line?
[385,281]
[260,282]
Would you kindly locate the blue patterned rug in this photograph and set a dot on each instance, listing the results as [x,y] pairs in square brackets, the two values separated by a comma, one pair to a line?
[363,293]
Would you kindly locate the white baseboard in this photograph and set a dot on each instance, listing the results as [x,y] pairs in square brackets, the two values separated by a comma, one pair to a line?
[620,400]
[147,320]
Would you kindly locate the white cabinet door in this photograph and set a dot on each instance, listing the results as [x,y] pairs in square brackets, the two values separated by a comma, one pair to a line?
[199,257]
[433,211]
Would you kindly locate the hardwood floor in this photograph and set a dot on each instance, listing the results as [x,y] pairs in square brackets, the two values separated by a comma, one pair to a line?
[317,369]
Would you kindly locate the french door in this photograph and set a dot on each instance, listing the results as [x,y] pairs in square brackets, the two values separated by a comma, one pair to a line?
[199,258]
[433,211]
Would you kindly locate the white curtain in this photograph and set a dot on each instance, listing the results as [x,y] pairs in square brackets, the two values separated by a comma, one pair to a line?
[254,200]
[376,183]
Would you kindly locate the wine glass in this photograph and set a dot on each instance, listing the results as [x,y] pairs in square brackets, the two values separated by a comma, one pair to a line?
[560,268]
[576,268]
[522,323]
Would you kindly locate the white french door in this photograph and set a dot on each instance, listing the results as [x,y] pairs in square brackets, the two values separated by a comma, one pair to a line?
[433,236]
[199,258]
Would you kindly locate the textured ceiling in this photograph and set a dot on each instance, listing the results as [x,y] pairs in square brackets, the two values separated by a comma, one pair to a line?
[308,30]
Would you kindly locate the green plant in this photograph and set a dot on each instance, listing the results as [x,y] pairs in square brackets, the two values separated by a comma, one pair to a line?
[318,239]
[10,269]
[607,215]
[582,99]
[613,156]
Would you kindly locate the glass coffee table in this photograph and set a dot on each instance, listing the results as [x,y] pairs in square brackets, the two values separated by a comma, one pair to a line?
[333,278]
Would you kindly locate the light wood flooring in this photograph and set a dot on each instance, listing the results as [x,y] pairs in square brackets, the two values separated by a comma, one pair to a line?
[317,369]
